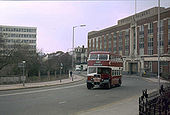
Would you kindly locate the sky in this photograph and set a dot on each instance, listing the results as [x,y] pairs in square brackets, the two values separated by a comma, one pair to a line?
[55,19]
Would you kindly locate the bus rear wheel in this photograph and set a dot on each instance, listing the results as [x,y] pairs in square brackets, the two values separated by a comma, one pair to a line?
[119,84]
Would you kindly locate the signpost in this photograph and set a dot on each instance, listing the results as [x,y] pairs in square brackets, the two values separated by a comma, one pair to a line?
[61,67]
[23,77]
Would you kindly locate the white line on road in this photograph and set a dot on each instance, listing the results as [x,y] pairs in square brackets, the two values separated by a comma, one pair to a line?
[62,102]
[38,91]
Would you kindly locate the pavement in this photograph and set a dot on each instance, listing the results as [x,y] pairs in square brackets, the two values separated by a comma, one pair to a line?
[128,106]
[40,84]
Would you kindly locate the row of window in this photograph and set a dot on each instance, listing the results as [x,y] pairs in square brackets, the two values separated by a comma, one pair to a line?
[8,35]
[17,29]
[5,52]
[116,72]
[13,46]
[19,41]
[96,40]
[127,36]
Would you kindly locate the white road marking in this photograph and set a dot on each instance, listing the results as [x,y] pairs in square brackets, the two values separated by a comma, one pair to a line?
[38,91]
[62,102]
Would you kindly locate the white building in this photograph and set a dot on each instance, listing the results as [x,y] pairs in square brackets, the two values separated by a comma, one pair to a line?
[13,35]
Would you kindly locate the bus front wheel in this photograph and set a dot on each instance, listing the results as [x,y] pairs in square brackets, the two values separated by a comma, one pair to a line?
[89,86]
[108,85]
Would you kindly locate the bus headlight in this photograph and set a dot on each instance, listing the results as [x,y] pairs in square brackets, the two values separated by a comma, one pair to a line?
[102,80]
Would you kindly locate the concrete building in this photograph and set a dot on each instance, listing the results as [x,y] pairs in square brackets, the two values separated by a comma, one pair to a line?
[14,35]
[135,38]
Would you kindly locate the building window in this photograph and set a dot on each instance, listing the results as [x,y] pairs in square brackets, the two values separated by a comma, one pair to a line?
[93,44]
[114,42]
[120,42]
[150,39]
[150,45]
[105,42]
[127,42]
[97,43]
[168,36]
[141,40]
[161,41]
[134,41]
[89,45]
[150,28]
[100,38]
[110,42]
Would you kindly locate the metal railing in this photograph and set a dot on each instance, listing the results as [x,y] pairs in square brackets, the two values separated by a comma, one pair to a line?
[155,103]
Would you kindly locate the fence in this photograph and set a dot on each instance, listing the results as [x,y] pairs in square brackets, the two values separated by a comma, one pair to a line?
[155,103]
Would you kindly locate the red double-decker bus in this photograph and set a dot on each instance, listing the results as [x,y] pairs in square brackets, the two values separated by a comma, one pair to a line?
[104,69]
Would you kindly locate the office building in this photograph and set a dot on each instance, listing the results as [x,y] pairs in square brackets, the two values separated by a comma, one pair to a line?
[135,38]
[17,35]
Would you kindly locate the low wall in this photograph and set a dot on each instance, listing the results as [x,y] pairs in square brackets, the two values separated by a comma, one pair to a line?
[7,80]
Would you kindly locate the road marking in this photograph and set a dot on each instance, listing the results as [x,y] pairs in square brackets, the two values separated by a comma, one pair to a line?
[62,102]
[43,90]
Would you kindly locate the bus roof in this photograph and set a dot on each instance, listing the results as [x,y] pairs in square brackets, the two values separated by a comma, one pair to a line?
[100,52]
[104,52]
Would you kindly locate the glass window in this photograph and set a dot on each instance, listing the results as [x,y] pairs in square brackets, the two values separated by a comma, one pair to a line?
[93,44]
[105,42]
[101,43]
[96,43]
[89,44]
[127,42]
[104,71]
[115,42]
[93,56]
[92,70]
[110,42]
[161,38]
[120,42]
[103,56]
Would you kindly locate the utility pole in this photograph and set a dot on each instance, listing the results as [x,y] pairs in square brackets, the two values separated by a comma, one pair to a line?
[73,47]
[23,62]
[158,44]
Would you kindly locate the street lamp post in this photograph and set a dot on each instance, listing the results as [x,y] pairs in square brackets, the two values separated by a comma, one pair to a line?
[73,46]
[61,67]
[158,44]
[23,72]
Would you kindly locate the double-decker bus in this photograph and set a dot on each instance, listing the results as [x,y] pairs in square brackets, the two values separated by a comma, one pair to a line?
[104,69]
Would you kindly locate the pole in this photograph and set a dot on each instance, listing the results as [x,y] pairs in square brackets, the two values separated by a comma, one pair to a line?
[60,74]
[135,7]
[23,72]
[158,44]
[73,51]
[73,47]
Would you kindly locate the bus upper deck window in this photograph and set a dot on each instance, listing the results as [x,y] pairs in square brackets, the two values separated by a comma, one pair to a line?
[93,57]
[103,57]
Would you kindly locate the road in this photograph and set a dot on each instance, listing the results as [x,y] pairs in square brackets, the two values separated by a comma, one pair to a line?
[68,99]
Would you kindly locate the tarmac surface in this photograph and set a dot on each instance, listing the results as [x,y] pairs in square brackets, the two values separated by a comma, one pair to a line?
[128,106]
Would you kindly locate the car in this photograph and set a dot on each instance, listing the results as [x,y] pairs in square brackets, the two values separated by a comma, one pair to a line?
[77,69]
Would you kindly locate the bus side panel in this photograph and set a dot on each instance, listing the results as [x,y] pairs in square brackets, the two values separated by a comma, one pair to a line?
[115,79]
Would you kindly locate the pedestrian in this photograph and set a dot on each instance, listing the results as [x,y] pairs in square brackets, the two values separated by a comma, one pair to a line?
[71,73]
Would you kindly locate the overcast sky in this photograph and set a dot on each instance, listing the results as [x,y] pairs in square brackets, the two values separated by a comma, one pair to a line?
[55,19]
